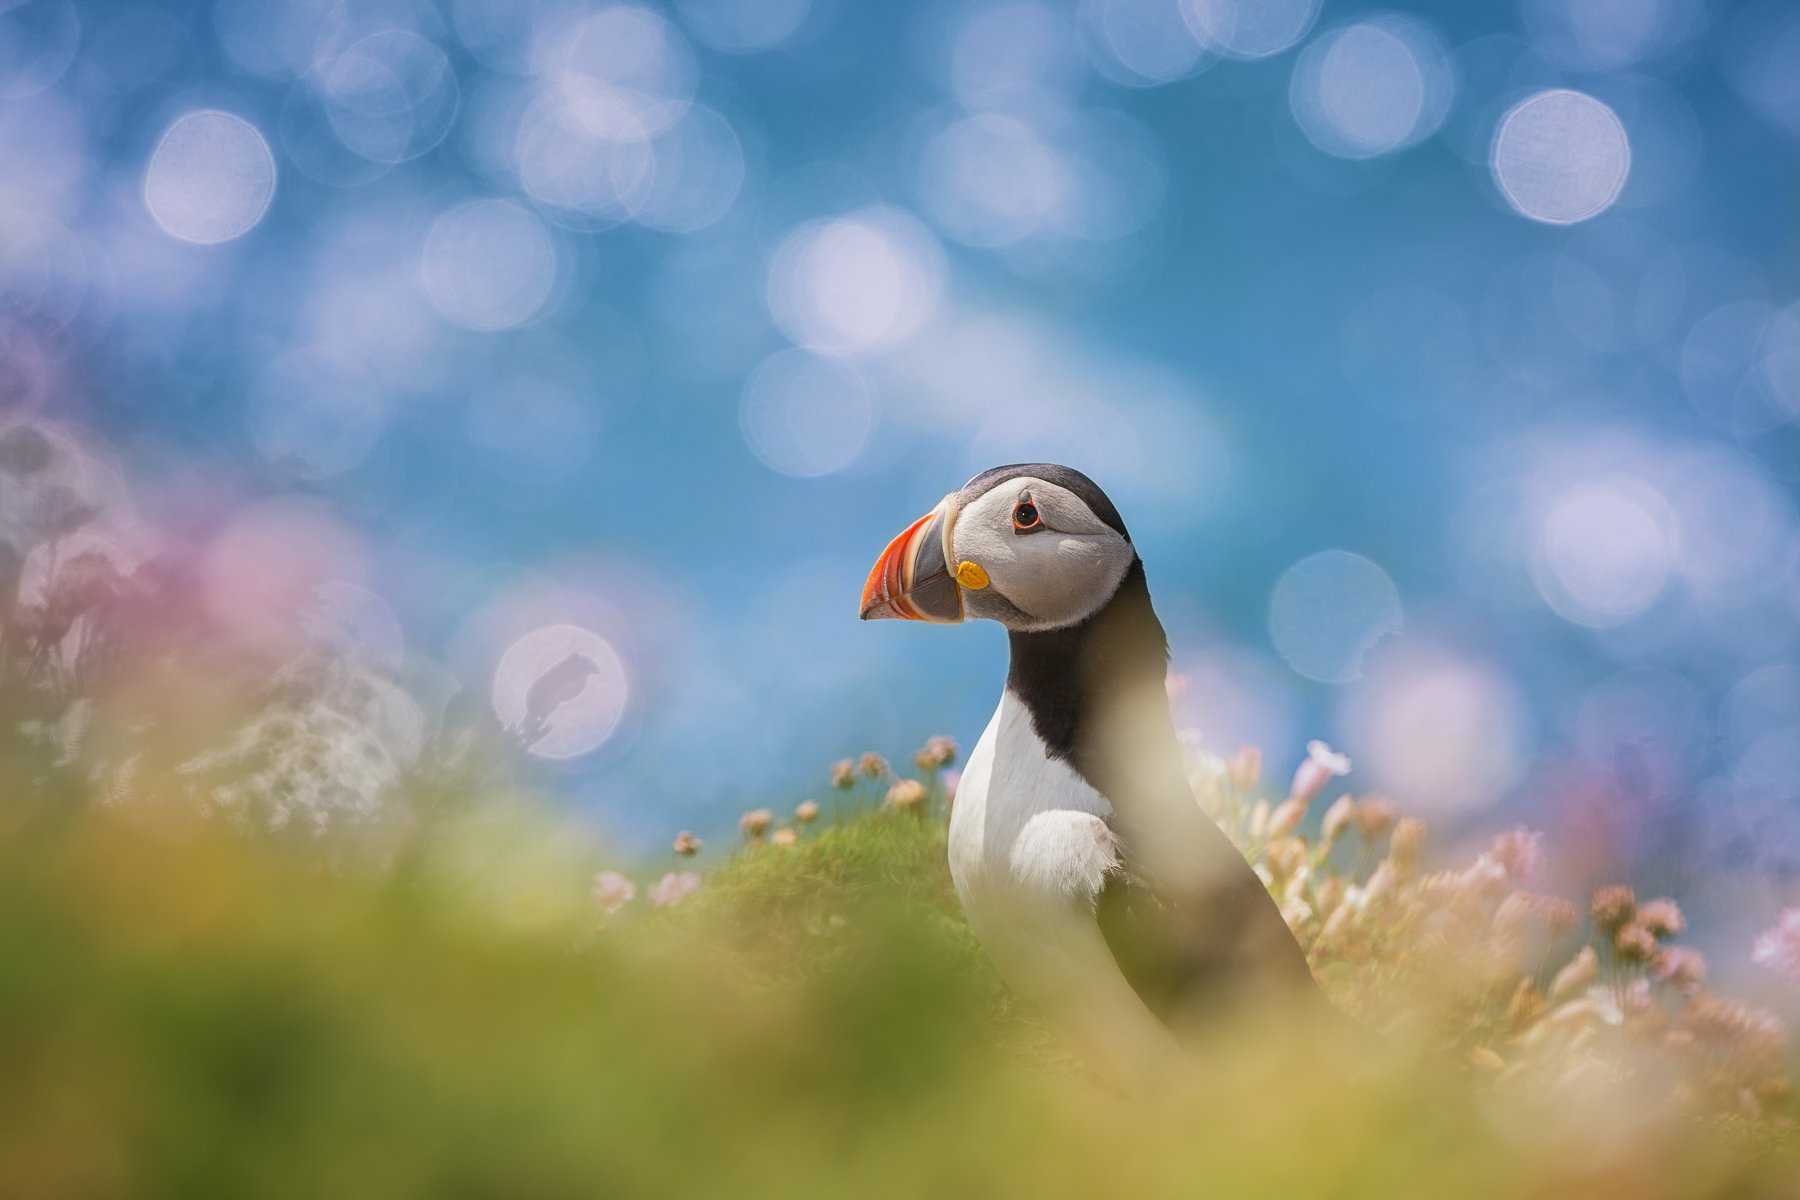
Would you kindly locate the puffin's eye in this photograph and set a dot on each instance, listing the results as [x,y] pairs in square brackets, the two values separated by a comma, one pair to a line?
[1025,517]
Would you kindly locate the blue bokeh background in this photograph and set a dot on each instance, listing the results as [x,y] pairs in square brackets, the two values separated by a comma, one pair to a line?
[1473,452]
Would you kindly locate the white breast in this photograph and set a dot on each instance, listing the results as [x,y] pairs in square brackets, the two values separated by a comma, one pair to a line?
[1025,821]
[1029,851]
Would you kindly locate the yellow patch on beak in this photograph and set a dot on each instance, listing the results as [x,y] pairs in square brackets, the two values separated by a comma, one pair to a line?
[971,576]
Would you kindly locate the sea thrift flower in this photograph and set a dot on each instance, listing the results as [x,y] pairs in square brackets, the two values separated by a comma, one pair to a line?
[1337,818]
[1778,948]
[1408,841]
[686,844]
[1484,879]
[1681,968]
[784,837]
[1662,917]
[1315,771]
[1245,768]
[756,822]
[1577,977]
[951,780]
[1375,815]
[1514,916]
[1259,819]
[612,891]
[673,888]
[1558,915]
[1738,1027]
[1285,855]
[937,752]
[1287,817]
[1635,943]
[806,812]
[843,775]
[1329,895]
[1612,907]
[873,765]
[1296,913]
[1526,1005]
[1381,881]
[1636,997]
[906,795]
[1520,852]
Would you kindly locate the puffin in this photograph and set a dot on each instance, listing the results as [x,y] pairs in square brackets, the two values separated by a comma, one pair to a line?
[1102,891]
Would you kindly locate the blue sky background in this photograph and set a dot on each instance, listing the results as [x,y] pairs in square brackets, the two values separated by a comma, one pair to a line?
[1473,451]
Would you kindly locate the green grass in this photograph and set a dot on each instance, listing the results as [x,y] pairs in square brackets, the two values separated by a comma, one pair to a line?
[187,1013]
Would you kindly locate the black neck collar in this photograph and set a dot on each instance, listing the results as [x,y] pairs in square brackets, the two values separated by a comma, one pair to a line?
[1067,678]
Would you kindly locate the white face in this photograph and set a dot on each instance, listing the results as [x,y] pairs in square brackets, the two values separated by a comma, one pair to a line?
[1046,574]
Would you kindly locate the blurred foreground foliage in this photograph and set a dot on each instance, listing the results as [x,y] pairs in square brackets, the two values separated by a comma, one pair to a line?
[270,925]
[187,1010]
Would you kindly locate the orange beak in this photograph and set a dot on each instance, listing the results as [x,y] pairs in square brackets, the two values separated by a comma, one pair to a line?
[912,579]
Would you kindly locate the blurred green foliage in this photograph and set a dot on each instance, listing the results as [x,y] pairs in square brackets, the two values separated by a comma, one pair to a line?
[187,1010]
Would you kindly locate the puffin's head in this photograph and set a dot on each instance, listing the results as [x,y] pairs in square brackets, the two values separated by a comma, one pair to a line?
[1033,546]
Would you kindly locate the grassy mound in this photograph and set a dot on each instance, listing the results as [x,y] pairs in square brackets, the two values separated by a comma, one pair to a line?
[188,1012]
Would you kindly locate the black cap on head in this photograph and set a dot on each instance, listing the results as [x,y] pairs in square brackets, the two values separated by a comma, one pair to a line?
[1063,477]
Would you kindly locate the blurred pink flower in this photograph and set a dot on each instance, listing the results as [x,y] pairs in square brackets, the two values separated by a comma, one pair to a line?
[673,888]
[1287,817]
[1245,768]
[1778,948]
[686,844]
[1520,852]
[906,795]
[1316,770]
[950,779]
[939,751]
[1337,818]
[1662,917]
[612,891]
[1681,968]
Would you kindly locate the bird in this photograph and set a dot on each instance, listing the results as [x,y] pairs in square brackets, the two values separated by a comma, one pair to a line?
[556,686]
[1083,862]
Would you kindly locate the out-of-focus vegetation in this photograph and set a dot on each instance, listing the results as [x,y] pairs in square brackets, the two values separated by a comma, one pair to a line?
[189,1010]
[269,929]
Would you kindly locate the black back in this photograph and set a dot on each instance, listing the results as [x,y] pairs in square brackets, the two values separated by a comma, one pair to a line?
[1190,924]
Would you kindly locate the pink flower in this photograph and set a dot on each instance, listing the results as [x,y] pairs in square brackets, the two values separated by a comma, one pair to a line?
[950,779]
[1337,818]
[612,891]
[939,751]
[1520,852]
[1245,768]
[1287,817]
[673,888]
[1778,948]
[1662,916]
[1681,968]
[906,795]
[1316,770]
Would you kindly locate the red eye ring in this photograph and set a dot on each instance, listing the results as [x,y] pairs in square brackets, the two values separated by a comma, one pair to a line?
[1025,517]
